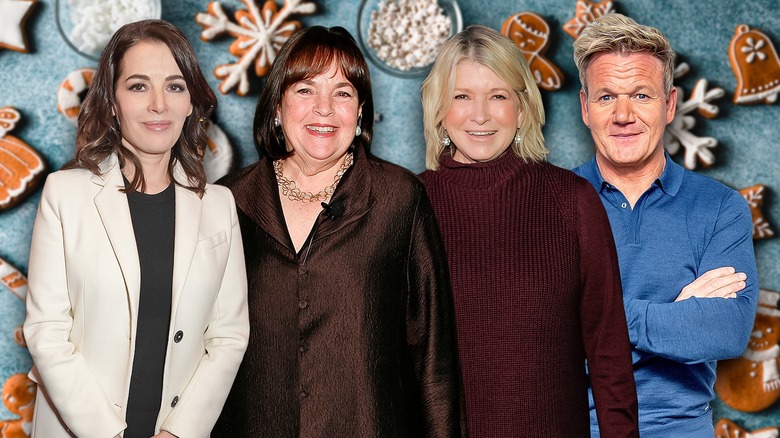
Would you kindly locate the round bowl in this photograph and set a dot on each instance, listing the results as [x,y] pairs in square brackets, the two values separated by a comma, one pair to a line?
[450,8]
[67,18]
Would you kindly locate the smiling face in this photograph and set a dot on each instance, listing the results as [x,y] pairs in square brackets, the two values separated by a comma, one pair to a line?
[483,116]
[627,110]
[152,99]
[319,116]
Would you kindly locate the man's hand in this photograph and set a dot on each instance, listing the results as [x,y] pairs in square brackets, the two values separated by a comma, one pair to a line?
[164,434]
[717,283]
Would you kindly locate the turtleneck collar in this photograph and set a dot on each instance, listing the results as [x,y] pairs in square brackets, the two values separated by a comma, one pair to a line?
[482,174]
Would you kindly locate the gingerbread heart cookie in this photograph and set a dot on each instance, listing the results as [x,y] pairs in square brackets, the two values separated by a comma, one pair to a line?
[751,383]
[756,65]
[585,13]
[20,165]
[726,428]
[532,34]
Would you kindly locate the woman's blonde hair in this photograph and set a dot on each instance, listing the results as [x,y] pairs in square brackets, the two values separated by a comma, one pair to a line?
[616,33]
[487,47]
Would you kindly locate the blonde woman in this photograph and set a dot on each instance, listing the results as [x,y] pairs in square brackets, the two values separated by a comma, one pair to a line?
[534,270]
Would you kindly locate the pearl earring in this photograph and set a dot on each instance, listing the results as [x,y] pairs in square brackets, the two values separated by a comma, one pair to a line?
[358,130]
[446,140]
[518,137]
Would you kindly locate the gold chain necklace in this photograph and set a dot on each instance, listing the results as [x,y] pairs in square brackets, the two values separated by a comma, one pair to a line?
[293,193]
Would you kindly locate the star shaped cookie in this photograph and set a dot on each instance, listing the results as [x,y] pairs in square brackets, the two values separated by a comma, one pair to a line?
[13,15]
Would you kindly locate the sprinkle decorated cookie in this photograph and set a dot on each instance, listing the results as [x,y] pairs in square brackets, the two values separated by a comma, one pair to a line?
[20,165]
[532,34]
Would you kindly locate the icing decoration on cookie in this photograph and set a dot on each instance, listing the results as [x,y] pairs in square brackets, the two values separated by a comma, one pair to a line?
[20,164]
[678,133]
[755,198]
[751,383]
[11,278]
[13,16]
[19,393]
[585,13]
[72,91]
[532,34]
[726,428]
[259,36]
[218,156]
[756,65]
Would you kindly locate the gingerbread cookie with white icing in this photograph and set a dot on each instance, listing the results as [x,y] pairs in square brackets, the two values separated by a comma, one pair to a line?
[532,34]
[20,165]
[756,66]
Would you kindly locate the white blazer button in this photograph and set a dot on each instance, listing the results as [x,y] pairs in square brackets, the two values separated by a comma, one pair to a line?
[174,401]
[178,336]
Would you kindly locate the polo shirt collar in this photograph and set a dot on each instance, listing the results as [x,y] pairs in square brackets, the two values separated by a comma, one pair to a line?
[669,181]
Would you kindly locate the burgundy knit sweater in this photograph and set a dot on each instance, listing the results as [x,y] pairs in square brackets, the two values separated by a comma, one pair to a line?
[537,291]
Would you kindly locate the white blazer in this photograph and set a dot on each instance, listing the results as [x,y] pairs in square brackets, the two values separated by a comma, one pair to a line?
[84,285]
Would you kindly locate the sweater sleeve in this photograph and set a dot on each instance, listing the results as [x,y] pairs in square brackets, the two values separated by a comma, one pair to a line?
[431,327]
[700,330]
[604,330]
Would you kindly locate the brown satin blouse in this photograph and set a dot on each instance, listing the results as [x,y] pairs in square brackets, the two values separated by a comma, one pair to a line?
[354,335]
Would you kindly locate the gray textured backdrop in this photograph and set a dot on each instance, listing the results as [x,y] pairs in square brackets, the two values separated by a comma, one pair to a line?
[700,31]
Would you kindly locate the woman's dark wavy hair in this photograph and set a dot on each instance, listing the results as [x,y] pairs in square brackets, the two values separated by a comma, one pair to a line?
[308,53]
[99,134]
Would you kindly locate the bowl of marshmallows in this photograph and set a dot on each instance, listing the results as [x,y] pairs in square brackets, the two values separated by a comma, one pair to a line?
[403,37]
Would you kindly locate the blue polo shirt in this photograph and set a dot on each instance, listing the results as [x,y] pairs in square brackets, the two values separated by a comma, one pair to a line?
[684,225]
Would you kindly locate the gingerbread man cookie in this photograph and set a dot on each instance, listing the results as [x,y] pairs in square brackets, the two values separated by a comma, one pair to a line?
[19,394]
[755,198]
[13,16]
[585,13]
[532,34]
[756,65]
[259,36]
[751,383]
[72,91]
[726,428]
[20,165]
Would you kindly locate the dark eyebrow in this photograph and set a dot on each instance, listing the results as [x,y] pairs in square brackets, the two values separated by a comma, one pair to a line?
[147,78]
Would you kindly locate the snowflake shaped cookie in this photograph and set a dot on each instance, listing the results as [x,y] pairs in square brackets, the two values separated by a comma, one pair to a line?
[259,33]
[754,195]
[678,133]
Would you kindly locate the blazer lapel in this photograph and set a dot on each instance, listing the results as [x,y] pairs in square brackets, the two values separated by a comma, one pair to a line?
[187,234]
[114,212]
